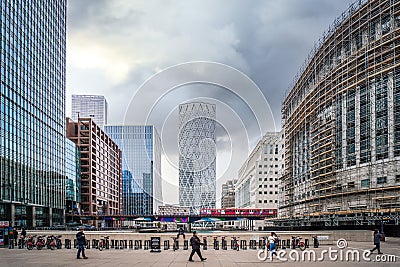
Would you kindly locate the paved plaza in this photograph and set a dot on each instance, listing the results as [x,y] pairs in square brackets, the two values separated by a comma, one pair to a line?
[112,257]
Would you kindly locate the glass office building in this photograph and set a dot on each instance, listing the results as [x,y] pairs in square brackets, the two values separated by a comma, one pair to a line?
[32,113]
[141,167]
[197,156]
[73,177]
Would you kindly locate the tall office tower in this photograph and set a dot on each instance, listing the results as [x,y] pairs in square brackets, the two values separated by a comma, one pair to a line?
[197,156]
[342,124]
[32,131]
[141,168]
[228,194]
[90,106]
[73,177]
[101,169]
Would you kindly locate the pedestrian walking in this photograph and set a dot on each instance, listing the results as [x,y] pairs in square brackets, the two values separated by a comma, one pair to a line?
[80,237]
[272,239]
[195,243]
[377,241]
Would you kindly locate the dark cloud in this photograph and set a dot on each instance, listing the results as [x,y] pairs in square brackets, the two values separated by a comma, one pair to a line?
[115,45]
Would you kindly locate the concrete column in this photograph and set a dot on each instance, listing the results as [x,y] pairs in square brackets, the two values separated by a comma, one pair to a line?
[50,216]
[33,216]
[12,214]
[373,121]
[344,130]
[390,115]
[357,125]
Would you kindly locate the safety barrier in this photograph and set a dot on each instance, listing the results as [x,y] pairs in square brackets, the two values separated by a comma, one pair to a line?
[185,245]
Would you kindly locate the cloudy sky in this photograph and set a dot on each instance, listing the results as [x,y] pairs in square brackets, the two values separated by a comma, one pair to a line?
[114,46]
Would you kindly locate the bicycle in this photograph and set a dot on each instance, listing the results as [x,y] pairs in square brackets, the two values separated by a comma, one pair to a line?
[235,243]
[297,243]
[103,243]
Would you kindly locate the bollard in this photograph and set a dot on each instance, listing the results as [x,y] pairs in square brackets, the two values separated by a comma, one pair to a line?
[67,244]
[253,244]
[147,244]
[88,243]
[307,242]
[121,244]
[232,244]
[278,243]
[138,244]
[243,244]
[130,244]
[216,244]
[261,244]
[223,244]
[176,243]
[95,243]
[112,243]
[283,244]
[204,243]
[185,244]
[107,244]
[166,244]
[75,243]
[116,244]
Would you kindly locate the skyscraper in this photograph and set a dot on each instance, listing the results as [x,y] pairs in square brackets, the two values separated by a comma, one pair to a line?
[141,169]
[197,156]
[32,116]
[228,194]
[90,106]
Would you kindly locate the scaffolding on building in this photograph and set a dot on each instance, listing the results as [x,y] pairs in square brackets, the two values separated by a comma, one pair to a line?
[342,124]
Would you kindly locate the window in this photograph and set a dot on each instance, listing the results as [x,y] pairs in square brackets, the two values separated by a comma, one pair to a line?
[350,185]
[265,201]
[259,201]
[397,178]
[381,180]
[271,179]
[260,186]
[365,183]
[265,186]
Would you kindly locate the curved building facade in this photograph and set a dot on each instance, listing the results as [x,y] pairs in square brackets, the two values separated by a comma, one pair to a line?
[197,156]
[342,123]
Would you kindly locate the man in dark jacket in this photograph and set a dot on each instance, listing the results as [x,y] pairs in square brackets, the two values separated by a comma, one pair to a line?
[80,237]
[377,241]
[195,243]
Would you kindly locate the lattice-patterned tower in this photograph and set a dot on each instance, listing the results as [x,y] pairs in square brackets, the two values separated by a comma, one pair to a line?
[197,156]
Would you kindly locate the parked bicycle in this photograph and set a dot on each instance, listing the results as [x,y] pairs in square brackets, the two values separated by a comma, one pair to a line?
[103,243]
[30,242]
[40,242]
[50,244]
[58,241]
[298,243]
[235,243]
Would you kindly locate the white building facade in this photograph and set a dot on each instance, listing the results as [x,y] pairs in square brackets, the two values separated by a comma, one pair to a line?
[90,106]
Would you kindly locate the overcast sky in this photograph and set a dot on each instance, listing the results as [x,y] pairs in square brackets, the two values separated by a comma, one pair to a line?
[114,46]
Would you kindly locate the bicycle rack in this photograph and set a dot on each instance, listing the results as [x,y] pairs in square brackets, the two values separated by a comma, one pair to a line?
[147,244]
[253,244]
[224,245]
[204,243]
[185,245]
[138,244]
[216,244]
[67,244]
[243,244]
[166,244]
[261,244]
